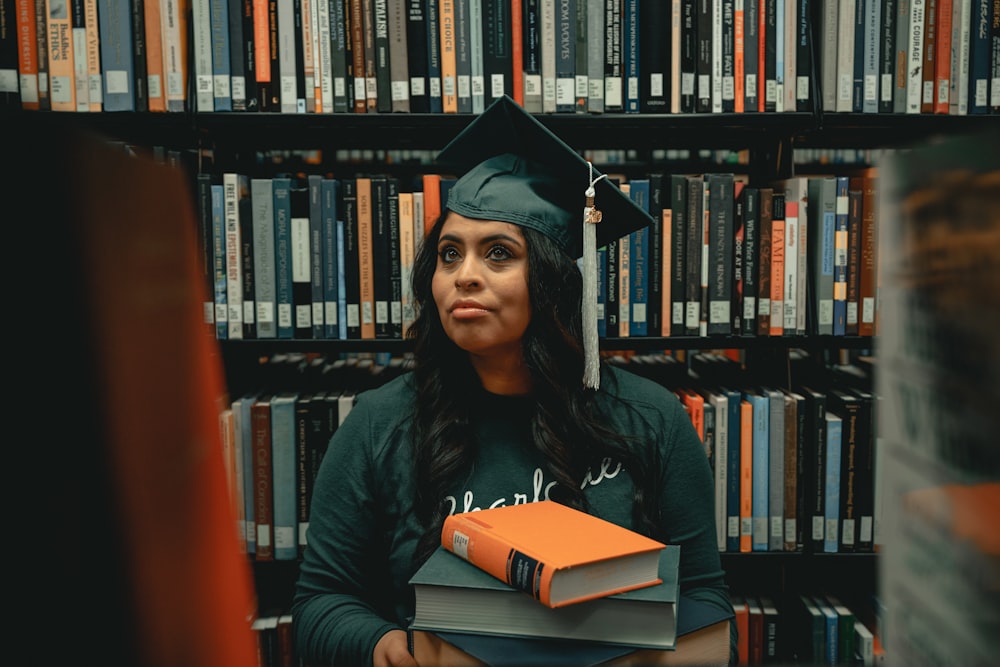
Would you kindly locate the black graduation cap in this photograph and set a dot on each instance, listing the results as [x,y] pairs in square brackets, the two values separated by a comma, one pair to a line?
[516,170]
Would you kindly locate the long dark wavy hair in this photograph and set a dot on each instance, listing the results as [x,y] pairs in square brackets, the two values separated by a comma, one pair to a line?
[566,425]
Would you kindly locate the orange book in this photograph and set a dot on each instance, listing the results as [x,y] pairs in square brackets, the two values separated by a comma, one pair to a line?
[263,478]
[449,62]
[155,93]
[432,200]
[777,325]
[928,95]
[365,249]
[61,72]
[517,50]
[140,441]
[746,476]
[742,627]
[557,554]
[27,53]
[695,404]
[942,59]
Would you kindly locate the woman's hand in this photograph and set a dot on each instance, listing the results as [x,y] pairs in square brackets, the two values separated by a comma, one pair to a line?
[392,650]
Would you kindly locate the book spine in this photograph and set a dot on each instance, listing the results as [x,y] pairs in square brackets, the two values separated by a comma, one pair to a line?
[778,213]
[201,19]
[262,199]
[324,55]
[416,55]
[728,68]
[614,100]
[791,274]
[694,218]
[476,77]
[840,314]
[316,256]
[176,64]
[751,52]
[764,246]
[678,253]
[871,25]
[733,455]
[658,193]
[116,57]
[366,294]
[761,473]
[582,78]
[234,255]
[867,287]
[395,266]
[434,74]
[92,37]
[449,62]
[289,59]
[804,57]
[927,92]
[775,470]
[746,475]
[639,262]
[915,56]
[887,54]
[245,211]
[514,12]
[831,484]
[751,233]
[407,253]
[352,290]
[357,63]
[155,93]
[942,59]
[219,262]
[688,56]
[340,57]
[222,96]
[631,46]
[548,53]
[739,235]
[283,475]
[283,296]
[383,52]
[78,30]
[703,56]
[463,58]
[565,55]
[27,30]
[300,260]
[330,194]
[263,479]
[853,260]
[720,291]
[531,63]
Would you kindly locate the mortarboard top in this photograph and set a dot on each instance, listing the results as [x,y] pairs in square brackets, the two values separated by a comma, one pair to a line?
[516,170]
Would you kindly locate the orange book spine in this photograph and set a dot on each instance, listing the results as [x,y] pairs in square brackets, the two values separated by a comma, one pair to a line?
[154,57]
[465,536]
[61,74]
[27,54]
[928,96]
[517,50]
[666,246]
[261,42]
[449,63]
[93,50]
[942,59]
[432,201]
[174,24]
[367,300]
[746,476]
[761,56]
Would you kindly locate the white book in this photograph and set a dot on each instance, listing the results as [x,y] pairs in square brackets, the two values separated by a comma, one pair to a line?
[478,80]
[779,55]
[829,24]
[915,57]
[791,39]
[81,75]
[873,19]
[174,58]
[204,83]
[716,84]
[595,56]
[845,56]
[288,87]
[961,39]
[791,290]
[325,63]
[234,253]
[548,53]
[675,55]
[721,456]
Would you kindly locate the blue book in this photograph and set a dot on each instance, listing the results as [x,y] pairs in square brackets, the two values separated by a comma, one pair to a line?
[820,238]
[638,324]
[219,262]
[262,204]
[221,69]
[341,283]
[316,259]
[831,504]
[331,263]
[566,57]
[760,459]
[840,258]
[630,55]
[979,57]
[831,635]
[114,20]
[733,471]
[284,463]
[282,192]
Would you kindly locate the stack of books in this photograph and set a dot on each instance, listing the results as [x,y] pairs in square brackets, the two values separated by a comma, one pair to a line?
[542,583]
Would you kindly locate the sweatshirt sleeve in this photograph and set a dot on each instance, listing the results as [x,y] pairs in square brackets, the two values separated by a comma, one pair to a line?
[336,605]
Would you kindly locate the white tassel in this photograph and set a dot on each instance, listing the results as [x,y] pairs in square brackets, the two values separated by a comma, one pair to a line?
[591,359]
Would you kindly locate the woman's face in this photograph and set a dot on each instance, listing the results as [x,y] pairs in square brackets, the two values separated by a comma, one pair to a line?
[480,285]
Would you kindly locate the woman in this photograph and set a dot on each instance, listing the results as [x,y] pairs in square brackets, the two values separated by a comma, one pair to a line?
[494,412]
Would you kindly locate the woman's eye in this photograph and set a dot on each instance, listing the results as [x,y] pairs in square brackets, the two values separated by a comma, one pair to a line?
[448,255]
[499,252]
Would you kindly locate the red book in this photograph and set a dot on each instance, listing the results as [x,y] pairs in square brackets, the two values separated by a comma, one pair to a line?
[260,419]
[517,50]
[557,554]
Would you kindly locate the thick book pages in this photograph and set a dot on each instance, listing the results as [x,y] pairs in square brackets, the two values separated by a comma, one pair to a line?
[557,554]
[453,595]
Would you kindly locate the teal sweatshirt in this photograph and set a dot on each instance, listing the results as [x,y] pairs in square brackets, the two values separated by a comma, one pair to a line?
[353,582]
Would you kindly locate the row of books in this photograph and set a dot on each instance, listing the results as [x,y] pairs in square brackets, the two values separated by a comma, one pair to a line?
[318,257]
[794,469]
[909,56]
[802,628]
[272,630]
